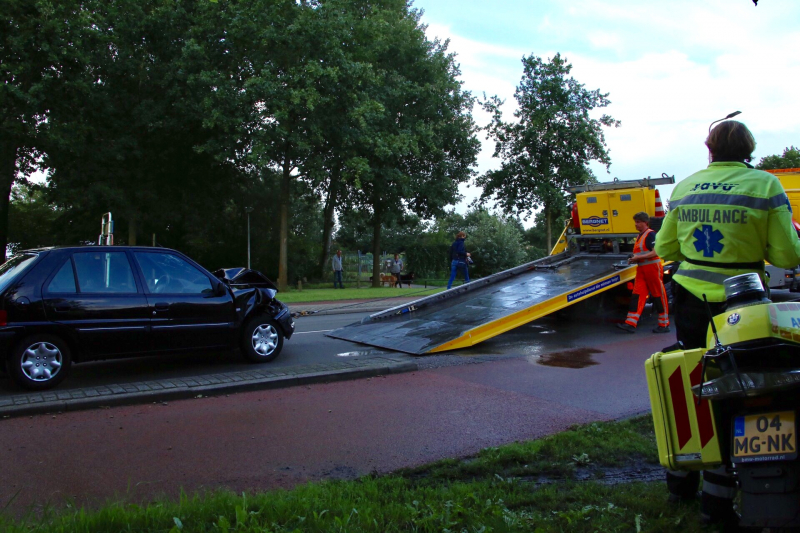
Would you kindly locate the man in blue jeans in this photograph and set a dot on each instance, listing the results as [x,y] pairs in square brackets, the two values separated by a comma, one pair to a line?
[459,257]
[336,263]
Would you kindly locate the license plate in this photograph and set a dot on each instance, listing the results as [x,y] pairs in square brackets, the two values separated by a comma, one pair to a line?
[764,437]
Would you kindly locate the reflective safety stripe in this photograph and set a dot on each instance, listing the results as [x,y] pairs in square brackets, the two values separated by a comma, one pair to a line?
[719,491]
[739,200]
[650,262]
[704,275]
[779,200]
[633,315]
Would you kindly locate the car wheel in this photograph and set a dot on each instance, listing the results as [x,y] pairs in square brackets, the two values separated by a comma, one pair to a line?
[40,362]
[262,340]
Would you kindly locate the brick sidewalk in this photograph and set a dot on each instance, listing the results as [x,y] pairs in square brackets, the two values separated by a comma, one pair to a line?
[212,384]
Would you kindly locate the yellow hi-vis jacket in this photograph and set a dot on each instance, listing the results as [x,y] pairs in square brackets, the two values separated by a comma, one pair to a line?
[724,221]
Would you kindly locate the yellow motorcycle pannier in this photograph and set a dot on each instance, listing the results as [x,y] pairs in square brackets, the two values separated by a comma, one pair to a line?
[686,433]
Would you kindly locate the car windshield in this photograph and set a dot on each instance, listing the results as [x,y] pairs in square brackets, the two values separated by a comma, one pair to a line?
[14,267]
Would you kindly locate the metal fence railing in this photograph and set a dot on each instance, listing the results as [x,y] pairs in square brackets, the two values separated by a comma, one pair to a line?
[357,270]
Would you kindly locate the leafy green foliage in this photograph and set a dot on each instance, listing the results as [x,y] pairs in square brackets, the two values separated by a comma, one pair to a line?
[178,117]
[30,219]
[549,145]
[496,243]
[42,56]
[789,159]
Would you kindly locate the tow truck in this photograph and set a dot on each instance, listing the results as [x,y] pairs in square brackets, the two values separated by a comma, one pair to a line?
[589,258]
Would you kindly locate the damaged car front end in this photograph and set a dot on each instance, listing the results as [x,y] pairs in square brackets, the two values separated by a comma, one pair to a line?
[253,294]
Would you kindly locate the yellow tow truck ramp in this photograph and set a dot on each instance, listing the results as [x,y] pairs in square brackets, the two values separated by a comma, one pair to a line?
[474,312]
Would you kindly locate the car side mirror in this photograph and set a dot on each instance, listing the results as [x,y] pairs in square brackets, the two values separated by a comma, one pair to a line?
[219,289]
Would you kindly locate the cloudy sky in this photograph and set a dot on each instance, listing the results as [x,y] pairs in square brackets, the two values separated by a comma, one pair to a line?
[670,67]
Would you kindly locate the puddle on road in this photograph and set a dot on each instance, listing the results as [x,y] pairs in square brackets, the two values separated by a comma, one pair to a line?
[544,330]
[576,358]
[357,353]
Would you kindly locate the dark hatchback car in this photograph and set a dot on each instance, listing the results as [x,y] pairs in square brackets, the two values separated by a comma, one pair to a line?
[64,305]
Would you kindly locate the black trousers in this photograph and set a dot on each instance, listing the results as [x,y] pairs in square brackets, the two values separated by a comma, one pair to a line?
[691,317]
[691,327]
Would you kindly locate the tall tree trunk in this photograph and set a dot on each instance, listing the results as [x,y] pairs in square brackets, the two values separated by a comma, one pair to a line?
[283,236]
[132,231]
[327,223]
[8,173]
[548,216]
[376,249]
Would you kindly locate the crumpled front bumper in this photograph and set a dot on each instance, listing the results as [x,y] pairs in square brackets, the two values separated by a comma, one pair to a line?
[285,321]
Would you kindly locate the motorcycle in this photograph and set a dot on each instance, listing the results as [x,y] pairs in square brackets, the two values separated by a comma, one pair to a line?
[736,403]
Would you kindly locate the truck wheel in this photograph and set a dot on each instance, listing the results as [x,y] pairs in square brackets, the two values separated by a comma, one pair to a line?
[262,340]
[40,362]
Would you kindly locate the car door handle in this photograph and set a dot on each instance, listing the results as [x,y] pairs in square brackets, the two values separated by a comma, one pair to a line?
[161,306]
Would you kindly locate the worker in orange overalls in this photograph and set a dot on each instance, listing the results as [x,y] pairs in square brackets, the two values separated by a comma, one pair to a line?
[649,278]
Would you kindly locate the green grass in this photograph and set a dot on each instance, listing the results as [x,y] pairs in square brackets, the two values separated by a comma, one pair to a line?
[321,295]
[475,495]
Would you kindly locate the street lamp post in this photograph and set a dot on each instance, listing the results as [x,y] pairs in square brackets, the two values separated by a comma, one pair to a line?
[248,210]
[726,118]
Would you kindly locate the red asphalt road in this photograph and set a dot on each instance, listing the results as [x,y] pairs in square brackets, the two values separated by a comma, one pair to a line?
[279,438]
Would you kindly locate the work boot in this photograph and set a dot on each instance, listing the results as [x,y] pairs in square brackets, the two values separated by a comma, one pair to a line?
[661,329]
[626,328]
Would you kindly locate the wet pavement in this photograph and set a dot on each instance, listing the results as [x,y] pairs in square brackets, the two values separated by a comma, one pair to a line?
[279,438]
[447,316]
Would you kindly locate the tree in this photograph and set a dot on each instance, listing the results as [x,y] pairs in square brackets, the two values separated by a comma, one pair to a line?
[41,53]
[551,143]
[496,243]
[135,141]
[30,218]
[420,144]
[789,159]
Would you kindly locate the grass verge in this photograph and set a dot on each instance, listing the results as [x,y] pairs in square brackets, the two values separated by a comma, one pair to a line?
[500,489]
[327,295]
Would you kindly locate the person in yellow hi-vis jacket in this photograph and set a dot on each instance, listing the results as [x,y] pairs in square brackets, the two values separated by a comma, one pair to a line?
[723,221]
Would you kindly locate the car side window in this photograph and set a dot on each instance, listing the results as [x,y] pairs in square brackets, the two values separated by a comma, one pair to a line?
[104,272]
[169,274]
[64,280]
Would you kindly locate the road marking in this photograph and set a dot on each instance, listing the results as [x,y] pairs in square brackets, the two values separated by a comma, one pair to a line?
[318,331]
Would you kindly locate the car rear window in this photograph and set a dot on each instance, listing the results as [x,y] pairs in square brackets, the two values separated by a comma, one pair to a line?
[104,272]
[64,280]
[12,269]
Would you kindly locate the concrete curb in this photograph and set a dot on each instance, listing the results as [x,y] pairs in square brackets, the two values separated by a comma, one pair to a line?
[188,391]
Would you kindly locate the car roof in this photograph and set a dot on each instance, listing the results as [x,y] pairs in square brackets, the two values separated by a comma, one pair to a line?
[94,248]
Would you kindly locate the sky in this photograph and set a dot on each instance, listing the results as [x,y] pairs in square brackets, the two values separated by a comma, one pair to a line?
[671,67]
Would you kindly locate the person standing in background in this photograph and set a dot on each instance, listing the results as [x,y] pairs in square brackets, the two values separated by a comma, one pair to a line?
[458,258]
[395,269]
[336,263]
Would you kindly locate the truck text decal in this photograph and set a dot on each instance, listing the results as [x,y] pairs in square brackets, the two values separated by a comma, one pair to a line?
[594,221]
[592,288]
